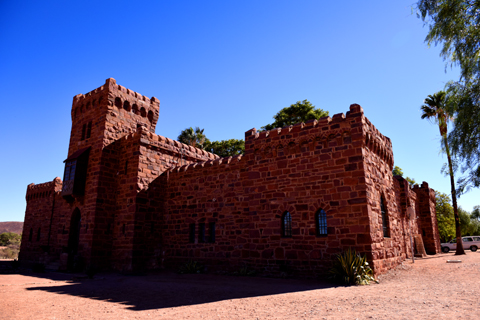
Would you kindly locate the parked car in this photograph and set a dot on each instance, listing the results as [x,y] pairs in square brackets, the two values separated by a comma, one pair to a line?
[471,242]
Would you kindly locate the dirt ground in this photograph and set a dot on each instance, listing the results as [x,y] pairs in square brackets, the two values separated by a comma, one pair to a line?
[430,288]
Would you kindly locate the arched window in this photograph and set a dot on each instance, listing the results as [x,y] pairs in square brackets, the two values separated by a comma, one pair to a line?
[118,102]
[286,224]
[126,105]
[150,116]
[385,223]
[143,112]
[321,223]
[135,109]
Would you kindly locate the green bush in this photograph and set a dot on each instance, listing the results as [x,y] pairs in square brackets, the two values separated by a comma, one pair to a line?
[351,268]
[191,267]
[244,271]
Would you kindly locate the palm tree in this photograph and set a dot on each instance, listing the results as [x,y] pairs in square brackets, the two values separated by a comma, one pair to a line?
[435,108]
[194,138]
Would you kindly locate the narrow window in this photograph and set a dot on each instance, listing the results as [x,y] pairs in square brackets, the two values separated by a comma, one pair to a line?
[123,229]
[126,167]
[89,129]
[201,232]
[212,232]
[150,116]
[118,102]
[321,221]
[135,109]
[286,225]
[30,235]
[191,235]
[385,224]
[38,234]
[126,105]
[84,129]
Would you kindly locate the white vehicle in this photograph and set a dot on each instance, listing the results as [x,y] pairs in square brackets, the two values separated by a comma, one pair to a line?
[471,242]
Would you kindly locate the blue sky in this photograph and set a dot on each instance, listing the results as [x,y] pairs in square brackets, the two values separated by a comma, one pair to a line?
[225,66]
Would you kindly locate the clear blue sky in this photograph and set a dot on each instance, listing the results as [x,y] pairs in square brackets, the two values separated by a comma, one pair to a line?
[225,66]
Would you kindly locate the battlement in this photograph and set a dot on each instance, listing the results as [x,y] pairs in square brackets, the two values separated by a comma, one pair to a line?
[113,96]
[166,144]
[378,143]
[322,124]
[43,190]
[232,160]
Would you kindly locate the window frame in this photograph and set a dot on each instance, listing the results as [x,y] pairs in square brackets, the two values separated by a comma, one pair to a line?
[286,225]
[321,226]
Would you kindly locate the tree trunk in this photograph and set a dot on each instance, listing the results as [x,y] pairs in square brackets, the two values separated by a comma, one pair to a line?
[458,232]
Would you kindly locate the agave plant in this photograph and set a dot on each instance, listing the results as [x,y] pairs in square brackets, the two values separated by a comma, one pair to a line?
[351,268]
[191,267]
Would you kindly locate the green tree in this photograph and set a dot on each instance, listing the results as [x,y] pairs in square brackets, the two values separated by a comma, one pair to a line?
[397,171]
[434,108]
[445,219]
[226,148]
[301,111]
[9,238]
[476,213]
[454,24]
[195,138]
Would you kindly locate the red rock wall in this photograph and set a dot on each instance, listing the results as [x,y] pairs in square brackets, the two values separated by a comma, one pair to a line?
[318,165]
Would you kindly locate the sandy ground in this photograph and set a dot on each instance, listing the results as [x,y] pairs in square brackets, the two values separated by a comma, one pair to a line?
[430,288]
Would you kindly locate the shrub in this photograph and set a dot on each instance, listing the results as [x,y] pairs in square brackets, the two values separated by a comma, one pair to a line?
[191,267]
[244,271]
[351,268]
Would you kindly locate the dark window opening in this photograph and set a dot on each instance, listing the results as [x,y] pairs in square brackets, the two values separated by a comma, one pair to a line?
[89,129]
[75,174]
[150,116]
[191,234]
[201,232]
[118,102]
[385,223]
[135,109]
[126,167]
[126,105]
[84,129]
[321,221]
[123,229]
[212,232]
[286,224]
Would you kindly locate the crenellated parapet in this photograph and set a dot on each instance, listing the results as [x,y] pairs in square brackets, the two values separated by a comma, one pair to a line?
[162,143]
[323,133]
[142,109]
[377,143]
[43,190]
[232,160]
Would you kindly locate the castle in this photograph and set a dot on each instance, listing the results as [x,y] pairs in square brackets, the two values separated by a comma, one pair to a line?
[133,200]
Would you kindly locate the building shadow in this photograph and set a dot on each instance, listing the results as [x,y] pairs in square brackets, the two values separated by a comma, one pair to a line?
[167,290]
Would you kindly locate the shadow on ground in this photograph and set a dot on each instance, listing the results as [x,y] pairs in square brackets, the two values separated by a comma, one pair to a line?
[167,290]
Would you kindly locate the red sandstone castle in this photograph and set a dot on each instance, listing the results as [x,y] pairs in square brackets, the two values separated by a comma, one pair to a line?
[133,200]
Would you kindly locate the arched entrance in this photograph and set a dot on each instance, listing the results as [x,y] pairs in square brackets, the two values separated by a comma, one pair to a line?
[73,239]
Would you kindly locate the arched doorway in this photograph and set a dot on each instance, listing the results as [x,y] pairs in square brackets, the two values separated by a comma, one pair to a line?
[73,239]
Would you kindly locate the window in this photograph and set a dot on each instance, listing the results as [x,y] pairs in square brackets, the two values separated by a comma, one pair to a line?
[385,224]
[84,129]
[212,232]
[286,224]
[191,234]
[321,223]
[89,129]
[69,170]
[75,174]
[201,232]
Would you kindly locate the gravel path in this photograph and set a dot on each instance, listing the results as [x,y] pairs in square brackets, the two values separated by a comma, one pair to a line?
[430,288]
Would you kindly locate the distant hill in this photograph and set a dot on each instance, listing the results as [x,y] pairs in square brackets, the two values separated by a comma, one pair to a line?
[11,226]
